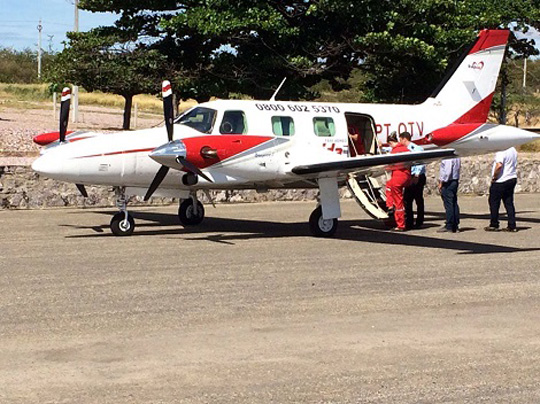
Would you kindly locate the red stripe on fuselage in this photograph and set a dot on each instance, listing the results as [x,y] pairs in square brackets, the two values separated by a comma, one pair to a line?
[118,152]
[226,146]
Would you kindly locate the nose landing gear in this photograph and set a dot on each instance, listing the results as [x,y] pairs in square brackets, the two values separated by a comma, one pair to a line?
[122,224]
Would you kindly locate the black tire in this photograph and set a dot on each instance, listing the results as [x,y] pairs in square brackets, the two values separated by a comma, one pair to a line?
[185,213]
[119,228]
[320,227]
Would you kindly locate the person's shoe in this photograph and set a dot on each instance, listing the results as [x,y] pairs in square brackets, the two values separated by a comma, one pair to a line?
[491,228]
[510,229]
[400,229]
[418,226]
[444,230]
[456,230]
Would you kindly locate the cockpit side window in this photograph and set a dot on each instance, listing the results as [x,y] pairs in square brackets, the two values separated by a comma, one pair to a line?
[234,122]
[200,118]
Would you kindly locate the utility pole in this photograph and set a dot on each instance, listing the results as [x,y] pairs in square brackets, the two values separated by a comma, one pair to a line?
[524,73]
[76,88]
[39,28]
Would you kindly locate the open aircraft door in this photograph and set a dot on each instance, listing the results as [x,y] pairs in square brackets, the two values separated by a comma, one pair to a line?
[367,191]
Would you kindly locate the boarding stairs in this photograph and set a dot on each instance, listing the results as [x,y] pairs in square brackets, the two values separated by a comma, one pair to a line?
[369,194]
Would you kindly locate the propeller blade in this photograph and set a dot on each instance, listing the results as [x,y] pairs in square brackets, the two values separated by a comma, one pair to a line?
[82,190]
[192,167]
[168,110]
[64,112]
[160,175]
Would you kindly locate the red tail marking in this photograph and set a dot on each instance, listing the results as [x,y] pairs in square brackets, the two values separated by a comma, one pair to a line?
[478,113]
[489,39]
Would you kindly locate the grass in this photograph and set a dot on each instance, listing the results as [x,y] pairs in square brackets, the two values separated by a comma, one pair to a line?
[532,147]
[12,94]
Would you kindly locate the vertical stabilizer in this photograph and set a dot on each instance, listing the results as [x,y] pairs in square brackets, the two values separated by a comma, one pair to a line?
[466,93]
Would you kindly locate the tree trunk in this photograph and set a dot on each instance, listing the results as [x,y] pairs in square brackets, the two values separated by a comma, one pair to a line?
[127,111]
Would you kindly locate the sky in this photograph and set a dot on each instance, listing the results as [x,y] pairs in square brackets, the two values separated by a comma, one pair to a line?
[19,20]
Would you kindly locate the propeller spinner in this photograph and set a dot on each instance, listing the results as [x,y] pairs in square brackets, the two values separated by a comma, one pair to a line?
[172,154]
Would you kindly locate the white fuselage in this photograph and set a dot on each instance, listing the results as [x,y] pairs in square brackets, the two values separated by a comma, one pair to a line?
[122,159]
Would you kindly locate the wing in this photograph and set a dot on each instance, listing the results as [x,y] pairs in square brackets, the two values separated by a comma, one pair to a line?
[370,165]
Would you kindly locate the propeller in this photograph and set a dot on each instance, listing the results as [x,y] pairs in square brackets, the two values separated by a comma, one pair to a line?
[168,113]
[64,112]
[172,148]
[64,118]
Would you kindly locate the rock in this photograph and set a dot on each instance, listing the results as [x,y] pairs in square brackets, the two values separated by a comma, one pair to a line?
[21,188]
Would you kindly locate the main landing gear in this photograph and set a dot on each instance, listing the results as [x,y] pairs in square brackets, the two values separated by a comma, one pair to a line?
[122,224]
[191,211]
[321,227]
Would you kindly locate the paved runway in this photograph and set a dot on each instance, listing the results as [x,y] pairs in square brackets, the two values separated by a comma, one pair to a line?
[249,307]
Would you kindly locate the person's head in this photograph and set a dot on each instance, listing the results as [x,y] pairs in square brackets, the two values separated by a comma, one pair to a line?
[392,139]
[405,138]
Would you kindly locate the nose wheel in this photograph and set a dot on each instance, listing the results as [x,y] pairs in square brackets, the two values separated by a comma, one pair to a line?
[191,212]
[122,224]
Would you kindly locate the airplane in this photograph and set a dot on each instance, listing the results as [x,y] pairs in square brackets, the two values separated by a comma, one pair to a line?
[238,144]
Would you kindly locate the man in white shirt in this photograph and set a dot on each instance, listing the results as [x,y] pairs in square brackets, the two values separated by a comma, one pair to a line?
[503,183]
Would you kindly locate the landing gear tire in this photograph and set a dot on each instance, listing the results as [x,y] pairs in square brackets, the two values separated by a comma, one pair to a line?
[187,215]
[120,226]
[322,227]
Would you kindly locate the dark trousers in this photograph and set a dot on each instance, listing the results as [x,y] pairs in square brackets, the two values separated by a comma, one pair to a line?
[414,193]
[449,196]
[502,191]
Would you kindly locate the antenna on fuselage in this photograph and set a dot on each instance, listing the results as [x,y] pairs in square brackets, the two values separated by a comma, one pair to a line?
[273,98]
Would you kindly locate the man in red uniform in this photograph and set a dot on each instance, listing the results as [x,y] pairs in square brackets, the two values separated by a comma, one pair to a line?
[401,177]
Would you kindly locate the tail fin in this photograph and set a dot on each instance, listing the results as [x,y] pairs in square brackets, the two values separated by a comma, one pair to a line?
[467,90]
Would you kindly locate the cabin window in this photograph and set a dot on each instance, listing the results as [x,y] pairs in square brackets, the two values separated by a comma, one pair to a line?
[324,126]
[234,122]
[200,119]
[283,126]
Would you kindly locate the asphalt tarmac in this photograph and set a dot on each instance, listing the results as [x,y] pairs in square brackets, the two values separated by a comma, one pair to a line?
[249,308]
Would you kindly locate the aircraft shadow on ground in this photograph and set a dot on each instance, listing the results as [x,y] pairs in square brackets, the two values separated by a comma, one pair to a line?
[229,231]
[485,216]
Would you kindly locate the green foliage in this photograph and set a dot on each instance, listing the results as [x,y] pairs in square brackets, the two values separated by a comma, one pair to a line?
[101,61]
[219,47]
[21,66]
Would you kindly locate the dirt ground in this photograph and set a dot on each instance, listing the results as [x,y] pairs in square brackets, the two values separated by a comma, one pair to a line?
[249,308]
[19,125]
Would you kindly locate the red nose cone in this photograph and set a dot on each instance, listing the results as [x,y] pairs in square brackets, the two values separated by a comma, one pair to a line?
[44,139]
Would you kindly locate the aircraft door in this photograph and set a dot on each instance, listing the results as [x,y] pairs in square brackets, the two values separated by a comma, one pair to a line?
[368,192]
[361,134]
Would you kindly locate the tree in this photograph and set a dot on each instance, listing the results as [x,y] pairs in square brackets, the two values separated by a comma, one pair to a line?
[21,66]
[219,47]
[99,60]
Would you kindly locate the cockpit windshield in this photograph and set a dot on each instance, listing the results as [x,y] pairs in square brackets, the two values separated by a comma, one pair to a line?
[200,119]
